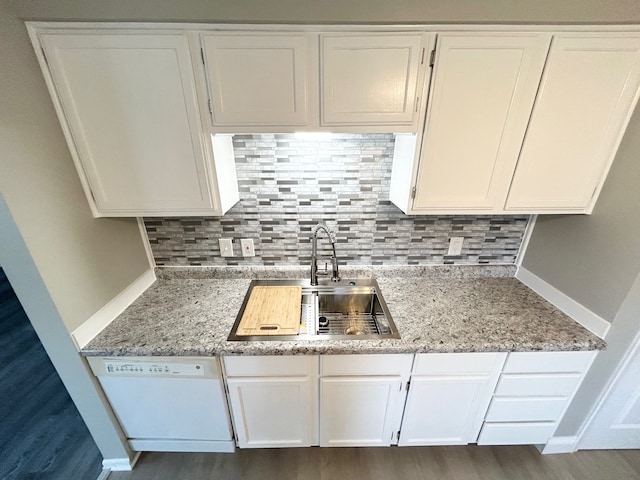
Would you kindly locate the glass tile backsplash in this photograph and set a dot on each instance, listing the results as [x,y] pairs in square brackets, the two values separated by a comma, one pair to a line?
[288,183]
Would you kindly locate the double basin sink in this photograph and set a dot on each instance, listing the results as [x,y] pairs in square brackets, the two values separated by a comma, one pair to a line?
[351,309]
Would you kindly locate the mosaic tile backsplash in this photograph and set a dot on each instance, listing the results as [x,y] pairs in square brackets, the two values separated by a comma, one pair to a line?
[289,183]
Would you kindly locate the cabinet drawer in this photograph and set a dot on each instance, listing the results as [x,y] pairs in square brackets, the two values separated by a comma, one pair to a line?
[448,363]
[525,409]
[537,384]
[271,366]
[365,364]
[548,362]
[523,433]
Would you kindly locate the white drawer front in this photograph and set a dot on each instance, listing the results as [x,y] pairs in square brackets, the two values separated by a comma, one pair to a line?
[548,362]
[366,364]
[537,384]
[448,363]
[516,433]
[271,366]
[526,409]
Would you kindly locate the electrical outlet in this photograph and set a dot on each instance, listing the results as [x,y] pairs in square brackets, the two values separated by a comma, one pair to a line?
[226,247]
[455,245]
[247,247]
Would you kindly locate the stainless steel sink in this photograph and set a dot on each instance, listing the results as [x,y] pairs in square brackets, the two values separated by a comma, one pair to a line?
[351,309]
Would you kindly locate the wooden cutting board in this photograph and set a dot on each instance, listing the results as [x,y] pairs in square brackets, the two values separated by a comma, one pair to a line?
[272,310]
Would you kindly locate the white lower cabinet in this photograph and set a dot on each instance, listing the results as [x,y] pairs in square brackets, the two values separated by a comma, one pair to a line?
[404,399]
[273,400]
[362,398]
[534,391]
[448,397]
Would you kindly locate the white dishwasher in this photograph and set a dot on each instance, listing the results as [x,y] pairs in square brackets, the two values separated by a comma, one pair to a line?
[170,404]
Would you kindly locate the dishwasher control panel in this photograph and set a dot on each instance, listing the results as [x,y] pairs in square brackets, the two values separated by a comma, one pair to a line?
[116,367]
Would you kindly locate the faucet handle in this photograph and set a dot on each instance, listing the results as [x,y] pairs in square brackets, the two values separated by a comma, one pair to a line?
[335,275]
[323,272]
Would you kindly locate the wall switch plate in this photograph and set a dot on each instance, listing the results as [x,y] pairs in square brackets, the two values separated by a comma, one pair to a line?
[455,245]
[247,247]
[226,247]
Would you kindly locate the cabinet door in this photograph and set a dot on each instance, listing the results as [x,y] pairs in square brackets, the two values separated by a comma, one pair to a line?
[274,412]
[358,411]
[445,410]
[481,97]
[129,102]
[371,79]
[259,79]
[589,89]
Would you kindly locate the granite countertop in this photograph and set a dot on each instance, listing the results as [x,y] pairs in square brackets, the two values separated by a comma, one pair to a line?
[190,311]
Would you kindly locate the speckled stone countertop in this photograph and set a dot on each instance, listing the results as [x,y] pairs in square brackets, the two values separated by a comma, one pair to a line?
[190,311]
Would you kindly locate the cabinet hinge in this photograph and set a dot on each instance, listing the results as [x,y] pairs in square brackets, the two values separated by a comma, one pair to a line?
[432,59]
[209,103]
[408,385]
[413,192]
[398,437]
[422,57]
[202,55]
[417,103]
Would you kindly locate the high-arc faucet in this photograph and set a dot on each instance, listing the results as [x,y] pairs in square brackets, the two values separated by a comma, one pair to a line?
[335,276]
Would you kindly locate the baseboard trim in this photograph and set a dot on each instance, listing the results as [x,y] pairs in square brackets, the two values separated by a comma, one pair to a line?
[555,445]
[103,317]
[104,474]
[120,464]
[585,317]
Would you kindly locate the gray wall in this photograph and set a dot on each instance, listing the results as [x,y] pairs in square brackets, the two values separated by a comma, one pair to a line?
[336,11]
[620,338]
[84,262]
[595,258]
[25,279]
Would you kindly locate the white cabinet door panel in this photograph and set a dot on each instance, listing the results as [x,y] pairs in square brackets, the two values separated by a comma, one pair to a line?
[367,364]
[482,92]
[358,411]
[259,79]
[588,91]
[526,409]
[521,433]
[548,362]
[538,384]
[271,366]
[274,412]
[445,410]
[370,79]
[130,103]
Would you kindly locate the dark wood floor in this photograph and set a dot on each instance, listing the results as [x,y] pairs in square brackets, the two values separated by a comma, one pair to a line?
[406,463]
[41,433]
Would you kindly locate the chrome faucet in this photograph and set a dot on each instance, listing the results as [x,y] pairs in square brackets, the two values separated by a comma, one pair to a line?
[335,276]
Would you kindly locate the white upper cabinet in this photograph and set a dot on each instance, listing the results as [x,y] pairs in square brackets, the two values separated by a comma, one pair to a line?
[261,79]
[588,92]
[128,106]
[373,78]
[482,92]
